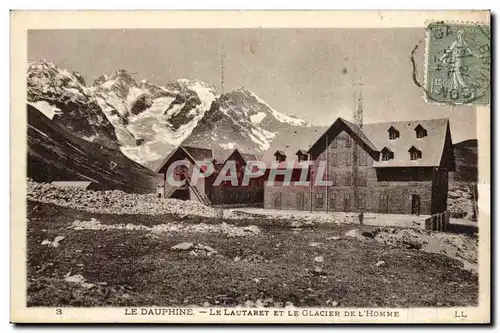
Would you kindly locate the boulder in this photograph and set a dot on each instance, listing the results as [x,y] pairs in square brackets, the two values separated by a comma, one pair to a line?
[355,233]
[319,259]
[252,228]
[182,246]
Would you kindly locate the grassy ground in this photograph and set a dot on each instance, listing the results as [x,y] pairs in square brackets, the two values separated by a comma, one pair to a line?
[137,268]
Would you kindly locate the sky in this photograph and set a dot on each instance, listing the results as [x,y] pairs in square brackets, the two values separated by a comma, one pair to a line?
[308,73]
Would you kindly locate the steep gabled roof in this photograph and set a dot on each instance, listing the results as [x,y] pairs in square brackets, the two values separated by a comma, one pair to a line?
[290,140]
[169,156]
[194,155]
[301,151]
[200,154]
[250,157]
[432,145]
[353,130]
[392,128]
[197,154]
[419,127]
[221,155]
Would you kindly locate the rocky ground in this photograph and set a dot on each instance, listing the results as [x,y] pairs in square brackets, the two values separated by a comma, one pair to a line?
[116,202]
[461,200]
[85,258]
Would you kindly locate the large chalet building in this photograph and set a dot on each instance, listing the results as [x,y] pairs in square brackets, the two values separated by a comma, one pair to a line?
[396,167]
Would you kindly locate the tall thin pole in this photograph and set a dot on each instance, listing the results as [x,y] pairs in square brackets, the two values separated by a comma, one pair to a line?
[310,184]
[358,119]
[222,68]
[327,171]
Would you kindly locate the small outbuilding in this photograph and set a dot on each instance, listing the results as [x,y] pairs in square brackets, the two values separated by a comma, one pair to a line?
[82,184]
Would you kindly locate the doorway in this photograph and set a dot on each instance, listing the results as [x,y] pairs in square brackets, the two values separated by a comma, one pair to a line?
[383,203]
[415,204]
[300,201]
[277,200]
[181,193]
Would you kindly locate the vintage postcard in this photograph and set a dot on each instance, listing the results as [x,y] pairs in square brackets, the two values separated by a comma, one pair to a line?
[250,167]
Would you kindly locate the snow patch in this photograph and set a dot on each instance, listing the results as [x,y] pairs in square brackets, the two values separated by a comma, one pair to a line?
[108,84]
[229,145]
[257,118]
[259,139]
[36,129]
[48,110]
[280,116]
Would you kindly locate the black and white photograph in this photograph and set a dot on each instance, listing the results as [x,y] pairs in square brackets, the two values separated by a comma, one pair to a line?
[287,174]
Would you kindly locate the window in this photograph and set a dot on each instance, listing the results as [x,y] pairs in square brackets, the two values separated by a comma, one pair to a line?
[361,181]
[347,178]
[280,156]
[302,155]
[362,156]
[415,153]
[387,154]
[347,158]
[348,142]
[393,133]
[334,143]
[332,176]
[333,159]
[318,200]
[347,202]
[420,131]
[331,202]
[362,201]
[337,181]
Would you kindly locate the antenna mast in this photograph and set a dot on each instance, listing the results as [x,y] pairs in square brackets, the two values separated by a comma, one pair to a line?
[222,68]
[358,111]
[358,120]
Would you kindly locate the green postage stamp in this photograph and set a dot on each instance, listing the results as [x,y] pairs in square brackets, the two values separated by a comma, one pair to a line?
[458,63]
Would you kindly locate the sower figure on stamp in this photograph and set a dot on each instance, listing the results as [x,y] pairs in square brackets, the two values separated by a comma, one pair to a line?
[453,57]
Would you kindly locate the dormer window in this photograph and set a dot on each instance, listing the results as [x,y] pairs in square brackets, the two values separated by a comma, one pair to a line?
[387,154]
[280,156]
[393,133]
[302,155]
[348,142]
[420,131]
[415,153]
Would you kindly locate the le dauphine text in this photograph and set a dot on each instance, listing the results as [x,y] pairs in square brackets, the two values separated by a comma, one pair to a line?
[259,312]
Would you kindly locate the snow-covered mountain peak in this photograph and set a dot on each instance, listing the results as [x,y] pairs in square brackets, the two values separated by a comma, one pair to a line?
[45,76]
[63,97]
[259,111]
[241,119]
[120,75]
